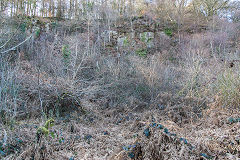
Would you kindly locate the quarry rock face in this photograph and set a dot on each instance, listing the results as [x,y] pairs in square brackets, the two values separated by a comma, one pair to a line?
[133,40]
[147,38]
[122,41]
[138,34]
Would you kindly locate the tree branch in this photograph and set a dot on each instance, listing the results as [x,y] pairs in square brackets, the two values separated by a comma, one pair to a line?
[13,48]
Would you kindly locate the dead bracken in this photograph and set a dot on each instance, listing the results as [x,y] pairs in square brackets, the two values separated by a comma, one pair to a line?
[119,79]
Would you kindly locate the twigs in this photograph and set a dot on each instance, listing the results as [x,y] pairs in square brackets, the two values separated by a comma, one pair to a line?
[13,48]
[9,39]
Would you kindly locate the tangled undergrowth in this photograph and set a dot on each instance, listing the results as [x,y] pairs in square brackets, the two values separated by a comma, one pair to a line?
[77,96]
[158,142]
[163,145]
[125,134]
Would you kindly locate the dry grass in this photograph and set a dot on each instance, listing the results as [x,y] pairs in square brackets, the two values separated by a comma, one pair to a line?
[210,135]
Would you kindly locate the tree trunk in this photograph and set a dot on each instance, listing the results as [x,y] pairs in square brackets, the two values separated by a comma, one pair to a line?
[59,9]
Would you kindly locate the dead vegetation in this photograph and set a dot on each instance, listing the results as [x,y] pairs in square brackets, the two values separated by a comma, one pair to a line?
[109,90]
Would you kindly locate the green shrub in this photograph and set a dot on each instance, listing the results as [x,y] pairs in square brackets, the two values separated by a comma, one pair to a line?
[90,5]
[37,33]
[66,54]
[125,42]
[23,27]
[54,24]
[141,52]
[44,130]
[144,37]
[168,31]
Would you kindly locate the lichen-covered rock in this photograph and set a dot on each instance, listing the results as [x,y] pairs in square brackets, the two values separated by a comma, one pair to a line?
[122,41]
[147,38]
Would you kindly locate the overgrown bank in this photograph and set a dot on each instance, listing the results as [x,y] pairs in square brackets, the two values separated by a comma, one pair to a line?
[104,86]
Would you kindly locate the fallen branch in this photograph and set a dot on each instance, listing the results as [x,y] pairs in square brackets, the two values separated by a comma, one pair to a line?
[13,48]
